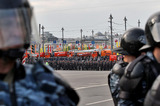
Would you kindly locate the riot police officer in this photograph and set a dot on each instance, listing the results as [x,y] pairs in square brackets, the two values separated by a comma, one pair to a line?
[131,41]
[140,74]
[152,98]
[21,85]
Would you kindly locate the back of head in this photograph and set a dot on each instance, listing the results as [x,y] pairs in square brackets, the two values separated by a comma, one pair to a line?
[152,29]
[132,40]
[10,4]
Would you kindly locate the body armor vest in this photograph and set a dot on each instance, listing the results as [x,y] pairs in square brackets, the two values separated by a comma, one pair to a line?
[138,78]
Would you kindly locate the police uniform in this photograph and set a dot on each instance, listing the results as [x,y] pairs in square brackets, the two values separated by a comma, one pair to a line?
[130,45]
[113,79]
[35,85]
[137,80]
[152,97]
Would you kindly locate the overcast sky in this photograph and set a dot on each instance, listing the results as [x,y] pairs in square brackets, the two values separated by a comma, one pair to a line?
[89,15]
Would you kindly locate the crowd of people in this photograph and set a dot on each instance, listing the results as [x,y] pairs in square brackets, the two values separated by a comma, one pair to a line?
[77,63]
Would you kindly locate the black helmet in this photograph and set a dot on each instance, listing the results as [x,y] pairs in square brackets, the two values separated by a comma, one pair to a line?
[10,4]
[152,97]
[152,29]
[131,41]
[16,26]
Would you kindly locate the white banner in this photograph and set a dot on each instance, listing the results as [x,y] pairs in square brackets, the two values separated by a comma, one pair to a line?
[103,45]
[90,44]
[115,42]
[60,45]
[79,44]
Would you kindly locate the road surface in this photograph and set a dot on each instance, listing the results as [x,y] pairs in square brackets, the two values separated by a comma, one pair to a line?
[92,86]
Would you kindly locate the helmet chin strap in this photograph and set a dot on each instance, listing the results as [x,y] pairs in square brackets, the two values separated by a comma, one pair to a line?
[12,54]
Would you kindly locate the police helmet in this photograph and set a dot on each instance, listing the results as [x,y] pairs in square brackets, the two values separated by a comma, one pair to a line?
[131,41]
[152,29]
[145,48]
[152,97]
[17,27]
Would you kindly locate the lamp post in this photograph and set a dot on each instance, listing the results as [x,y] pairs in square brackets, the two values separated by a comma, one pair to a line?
[39,36]
[93,37]
[81,38]
[43,37]
[63,38]
[111,31]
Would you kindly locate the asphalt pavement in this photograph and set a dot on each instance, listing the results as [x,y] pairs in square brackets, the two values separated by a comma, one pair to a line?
[92,86]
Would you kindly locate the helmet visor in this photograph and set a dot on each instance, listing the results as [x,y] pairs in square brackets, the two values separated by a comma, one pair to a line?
[16,27]
[120,50]
[145,47]
[156,32]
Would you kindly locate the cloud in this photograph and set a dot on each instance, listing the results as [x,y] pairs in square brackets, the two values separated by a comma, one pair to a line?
[51,5]
[84,14]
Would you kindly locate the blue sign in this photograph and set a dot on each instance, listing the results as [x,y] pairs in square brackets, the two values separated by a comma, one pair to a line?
[54,41]
[77,42]
[93,42]
[64,41]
